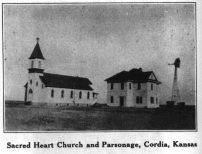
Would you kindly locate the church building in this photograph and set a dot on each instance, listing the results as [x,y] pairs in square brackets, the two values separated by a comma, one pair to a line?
[133,88]
[55,89]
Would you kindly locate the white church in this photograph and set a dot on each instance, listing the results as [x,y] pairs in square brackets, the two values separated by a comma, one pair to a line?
[133,88]
[55,89]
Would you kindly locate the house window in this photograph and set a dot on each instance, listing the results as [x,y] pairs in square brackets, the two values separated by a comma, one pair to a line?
[71,94]
[151,86]
[139,100]
[80,94]
[32,64]
[112,86]
[130,86]
[62,94]
[39,64]
[112,99]
[88,95]
[139,86]
[30,81]
[52,93]
[36,83]
[42,86]
[122,86]
[152,100]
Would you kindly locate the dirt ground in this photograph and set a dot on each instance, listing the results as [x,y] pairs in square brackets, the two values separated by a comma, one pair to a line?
[20,117]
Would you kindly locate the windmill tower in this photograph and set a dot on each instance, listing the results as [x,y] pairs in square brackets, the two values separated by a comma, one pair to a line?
[175,89]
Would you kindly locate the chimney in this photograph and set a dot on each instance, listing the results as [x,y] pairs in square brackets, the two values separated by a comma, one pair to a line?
[140,69]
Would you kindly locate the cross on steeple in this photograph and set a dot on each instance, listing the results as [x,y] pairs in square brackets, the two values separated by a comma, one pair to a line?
[37,40]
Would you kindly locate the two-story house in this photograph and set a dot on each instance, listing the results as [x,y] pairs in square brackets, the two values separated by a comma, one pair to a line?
[133,88]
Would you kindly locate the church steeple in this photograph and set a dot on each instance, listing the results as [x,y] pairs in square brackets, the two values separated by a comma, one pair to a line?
[36,59]
[37,52]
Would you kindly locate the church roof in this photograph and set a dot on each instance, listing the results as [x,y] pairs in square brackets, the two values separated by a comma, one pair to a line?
[134,75]
[26,85]
[37,52]
[69,82]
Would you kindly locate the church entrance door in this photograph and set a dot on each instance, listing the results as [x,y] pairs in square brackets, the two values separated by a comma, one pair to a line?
[30,95]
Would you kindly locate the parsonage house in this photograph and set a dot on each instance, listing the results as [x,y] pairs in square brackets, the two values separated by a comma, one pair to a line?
[55,89]
[133,88]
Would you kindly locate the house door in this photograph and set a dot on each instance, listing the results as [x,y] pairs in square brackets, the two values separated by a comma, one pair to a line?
[121,101]
[30,95]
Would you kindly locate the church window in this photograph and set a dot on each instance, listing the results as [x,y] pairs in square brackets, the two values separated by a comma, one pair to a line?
[80,94]
[39,64]
[152,100]
[71,95]
[88,95]
[130,86]
[42,86]
[112,99]
[62,94]
[30,81]
[139,86]
[52,93]
[32,64]
[36,83]
[151,86]
[30,91]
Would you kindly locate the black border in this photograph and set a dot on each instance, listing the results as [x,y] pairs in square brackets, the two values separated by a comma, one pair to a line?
[104,131]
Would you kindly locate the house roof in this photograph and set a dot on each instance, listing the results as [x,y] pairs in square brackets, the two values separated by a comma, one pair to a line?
[134,75]
[69,82]
[37,52]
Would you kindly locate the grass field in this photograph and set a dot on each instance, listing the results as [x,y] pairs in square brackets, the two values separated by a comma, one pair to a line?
[20,117]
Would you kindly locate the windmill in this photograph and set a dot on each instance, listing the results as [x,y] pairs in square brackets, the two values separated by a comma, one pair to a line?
[175,89]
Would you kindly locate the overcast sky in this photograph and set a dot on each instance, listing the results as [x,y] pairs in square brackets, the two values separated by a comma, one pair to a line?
[98,41]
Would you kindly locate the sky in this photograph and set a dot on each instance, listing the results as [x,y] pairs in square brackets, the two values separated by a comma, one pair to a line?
[99,40]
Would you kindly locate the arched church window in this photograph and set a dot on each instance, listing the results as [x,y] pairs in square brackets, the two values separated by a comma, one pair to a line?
[30,81]
[39,64]
[42,86]
[32,64]
[62,94]
[71,94]
[88,95]
[52,93]
[80,94]
[36,83]
[30,91]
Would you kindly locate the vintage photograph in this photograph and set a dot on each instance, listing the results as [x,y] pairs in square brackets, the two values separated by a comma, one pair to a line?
[99,67]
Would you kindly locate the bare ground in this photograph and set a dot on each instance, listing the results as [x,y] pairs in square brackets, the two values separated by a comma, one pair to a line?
[19,117]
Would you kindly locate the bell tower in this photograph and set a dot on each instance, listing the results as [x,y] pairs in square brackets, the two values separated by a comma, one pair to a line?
[36,60]
[35,70]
